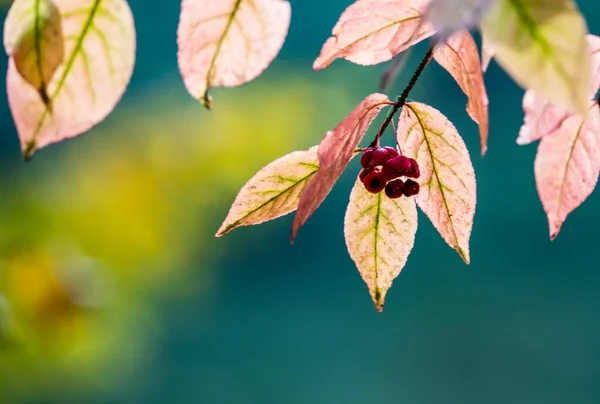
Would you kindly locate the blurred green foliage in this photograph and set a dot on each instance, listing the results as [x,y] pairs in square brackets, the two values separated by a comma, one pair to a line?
[95,231]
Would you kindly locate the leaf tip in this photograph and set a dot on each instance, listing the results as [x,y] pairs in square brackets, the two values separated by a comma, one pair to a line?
[554,230]
[464,255]
[29,150]
[207,101]
[378,299]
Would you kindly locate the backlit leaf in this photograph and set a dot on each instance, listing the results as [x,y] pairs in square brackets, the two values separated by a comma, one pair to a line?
[335,152]
[33,39]
[487,52]
[541,44]
[99,56]
[567,166]
[459,56]
[449,16]
[374,31]
[380,233]
[543,117]
[274,191]
[226,43]
[448,190]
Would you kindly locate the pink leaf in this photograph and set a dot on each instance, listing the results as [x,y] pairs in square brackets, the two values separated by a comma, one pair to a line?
[33,39]
[542,117]
[380,233]
[594,46]
[98,61]
[335,152]
[227,43]
[460,57]
[374,31]
[448,190]
[449,16]
[487,52]
[567,166]
[272,192]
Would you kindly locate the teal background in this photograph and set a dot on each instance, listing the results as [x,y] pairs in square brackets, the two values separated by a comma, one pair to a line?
[295,324]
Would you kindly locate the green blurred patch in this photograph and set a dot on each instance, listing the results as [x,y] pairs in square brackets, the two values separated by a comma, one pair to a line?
[98,232]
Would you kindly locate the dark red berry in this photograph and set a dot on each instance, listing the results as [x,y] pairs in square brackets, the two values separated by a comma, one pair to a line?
[363,173]
[397,167]
[391,151]
[380,156]
[394,189]
[366,158]
[414,171]
[411,188]
[374,181]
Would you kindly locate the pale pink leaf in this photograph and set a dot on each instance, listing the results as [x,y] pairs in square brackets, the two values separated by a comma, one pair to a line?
[459,56]
[567,166]
[541,117]
[374,31]
[99,58]
[273,191]
[380,233]
[487,52]
[335,152]
[227,43]
[33,38]
[594,47]
[449,16]
[448,189]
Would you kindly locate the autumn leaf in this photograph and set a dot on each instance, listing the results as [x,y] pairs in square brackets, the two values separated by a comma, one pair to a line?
[487,52]
[272,192]
[448,190]
[226,43]
[99,57]
[449,16]
[380,233]
[541,44]
[335,152]
[567,165]
[374,31]
[543,117]
[33,39]
[459,56]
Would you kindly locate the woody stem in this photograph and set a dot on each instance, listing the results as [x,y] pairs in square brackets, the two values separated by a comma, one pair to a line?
[401,100]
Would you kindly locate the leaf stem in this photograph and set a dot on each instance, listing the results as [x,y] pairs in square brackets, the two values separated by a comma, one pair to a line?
[401,100]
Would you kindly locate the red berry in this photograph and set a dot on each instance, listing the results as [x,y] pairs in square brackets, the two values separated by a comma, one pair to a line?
[411,188]
[414,171]
[366,158]
[380,156]
[363,173]
[397,167]
[391,151]
[374,181]
[394,189]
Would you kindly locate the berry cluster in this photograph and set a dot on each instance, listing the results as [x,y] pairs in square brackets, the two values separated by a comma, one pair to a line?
[382,169]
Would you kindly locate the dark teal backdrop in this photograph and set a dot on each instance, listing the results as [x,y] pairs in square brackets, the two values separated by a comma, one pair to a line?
[296,325]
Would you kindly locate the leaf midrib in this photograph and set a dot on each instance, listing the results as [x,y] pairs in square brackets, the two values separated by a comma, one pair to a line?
[235,224]
[531,27]
[38,49]
[219,45]
[69,65]
[437,177]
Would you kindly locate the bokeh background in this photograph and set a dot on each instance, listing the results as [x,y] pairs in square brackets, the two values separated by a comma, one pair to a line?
[113,288]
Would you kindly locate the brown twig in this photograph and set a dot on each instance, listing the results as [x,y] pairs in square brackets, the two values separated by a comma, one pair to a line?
[401,100]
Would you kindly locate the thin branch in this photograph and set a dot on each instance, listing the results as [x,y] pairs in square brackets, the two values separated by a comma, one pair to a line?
[401,100]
